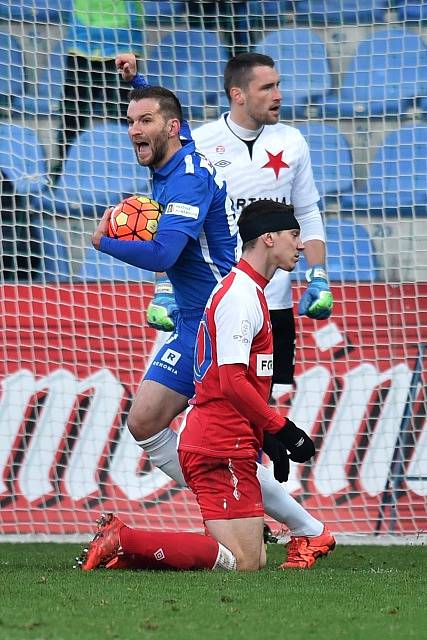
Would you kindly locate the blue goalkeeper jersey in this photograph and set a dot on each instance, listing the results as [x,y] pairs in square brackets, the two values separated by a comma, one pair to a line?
[195,202]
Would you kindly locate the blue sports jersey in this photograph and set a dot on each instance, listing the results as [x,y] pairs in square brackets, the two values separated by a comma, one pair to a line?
[198,216]
[195,203]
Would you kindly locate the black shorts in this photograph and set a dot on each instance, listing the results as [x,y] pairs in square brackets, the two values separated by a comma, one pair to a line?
[283,326]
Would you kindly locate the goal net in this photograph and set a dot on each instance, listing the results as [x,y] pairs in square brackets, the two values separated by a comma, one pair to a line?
[75,341]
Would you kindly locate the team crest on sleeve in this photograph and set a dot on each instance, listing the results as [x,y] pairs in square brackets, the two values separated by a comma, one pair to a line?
[243,336]
[182,209]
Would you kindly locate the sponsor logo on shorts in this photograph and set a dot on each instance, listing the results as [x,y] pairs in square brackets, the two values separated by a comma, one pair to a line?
[171,357]
[159,554]
[181,209]
[264,364]
[222,164]
[168,361]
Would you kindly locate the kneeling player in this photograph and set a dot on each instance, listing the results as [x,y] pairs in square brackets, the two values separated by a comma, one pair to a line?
[225,425]
[229,419]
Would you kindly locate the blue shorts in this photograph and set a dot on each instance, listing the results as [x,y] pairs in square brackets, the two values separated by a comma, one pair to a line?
[173,364]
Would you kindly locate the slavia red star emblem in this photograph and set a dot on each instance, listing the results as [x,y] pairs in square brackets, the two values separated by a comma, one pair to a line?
[275,162]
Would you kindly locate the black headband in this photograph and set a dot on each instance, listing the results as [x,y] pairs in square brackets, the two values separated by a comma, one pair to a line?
[267,222]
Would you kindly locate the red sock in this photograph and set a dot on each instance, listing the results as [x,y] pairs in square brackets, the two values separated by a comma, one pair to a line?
[162,550]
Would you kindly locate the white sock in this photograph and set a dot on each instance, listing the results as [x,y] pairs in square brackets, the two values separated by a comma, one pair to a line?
[163,454]
[225,559]
[284,508]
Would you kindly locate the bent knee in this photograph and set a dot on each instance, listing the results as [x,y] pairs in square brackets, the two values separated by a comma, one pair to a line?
[247,563]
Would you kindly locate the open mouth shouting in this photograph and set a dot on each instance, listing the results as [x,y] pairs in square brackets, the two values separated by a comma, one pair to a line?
[143,151]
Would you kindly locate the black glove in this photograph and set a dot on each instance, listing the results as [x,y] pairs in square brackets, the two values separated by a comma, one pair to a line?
[297,442]
[278,455]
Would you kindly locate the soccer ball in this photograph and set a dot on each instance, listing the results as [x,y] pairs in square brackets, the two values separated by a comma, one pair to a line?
[135,218]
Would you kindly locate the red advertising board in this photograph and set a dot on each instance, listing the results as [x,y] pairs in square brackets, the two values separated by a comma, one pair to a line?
[73,356]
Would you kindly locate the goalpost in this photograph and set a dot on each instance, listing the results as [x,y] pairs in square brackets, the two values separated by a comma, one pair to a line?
[75,343]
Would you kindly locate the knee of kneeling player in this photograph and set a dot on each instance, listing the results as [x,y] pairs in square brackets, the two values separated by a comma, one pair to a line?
[247,563]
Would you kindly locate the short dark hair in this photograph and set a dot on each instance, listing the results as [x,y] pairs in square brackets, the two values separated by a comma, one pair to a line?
[238,70]
[169,104]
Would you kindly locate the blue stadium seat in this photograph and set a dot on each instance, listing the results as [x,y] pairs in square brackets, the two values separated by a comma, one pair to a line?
[334,12]
[422,106]
[11,71]
[22,159]
[411,10]
[388,72]
[301,59]
[397,182]
[43,98]
[101,266]
[100,170]
[330,158]
[350,254]
[164,14]
[53,11]
[55,258]
[191,64]
[270,15]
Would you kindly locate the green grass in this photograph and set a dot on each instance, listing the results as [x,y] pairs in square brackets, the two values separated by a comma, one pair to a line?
[357,593]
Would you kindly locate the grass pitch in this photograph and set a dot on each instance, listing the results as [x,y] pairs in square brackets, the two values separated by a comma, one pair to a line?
[358,593]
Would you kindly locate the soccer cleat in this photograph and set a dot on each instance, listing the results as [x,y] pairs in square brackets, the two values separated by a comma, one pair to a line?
[122,562]
[105,544]
[303,551]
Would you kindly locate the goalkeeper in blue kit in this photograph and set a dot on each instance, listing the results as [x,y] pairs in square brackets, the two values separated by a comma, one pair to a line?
[196,246]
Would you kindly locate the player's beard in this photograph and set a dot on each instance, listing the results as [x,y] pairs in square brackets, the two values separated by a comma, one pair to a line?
[263,116]
[158,147]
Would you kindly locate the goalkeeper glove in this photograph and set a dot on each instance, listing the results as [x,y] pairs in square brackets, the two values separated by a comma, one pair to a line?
[162,310]
[317,300]
[278,455]
[297,442]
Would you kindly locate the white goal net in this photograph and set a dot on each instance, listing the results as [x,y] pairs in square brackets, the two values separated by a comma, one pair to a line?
[75,342]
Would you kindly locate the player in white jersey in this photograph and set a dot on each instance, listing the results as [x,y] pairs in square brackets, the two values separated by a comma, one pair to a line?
[259,158]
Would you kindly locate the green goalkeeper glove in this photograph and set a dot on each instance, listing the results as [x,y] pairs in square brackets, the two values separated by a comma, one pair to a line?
[317,301]
[162,310]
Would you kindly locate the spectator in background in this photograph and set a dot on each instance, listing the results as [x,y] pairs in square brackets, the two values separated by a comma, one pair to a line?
[99,30]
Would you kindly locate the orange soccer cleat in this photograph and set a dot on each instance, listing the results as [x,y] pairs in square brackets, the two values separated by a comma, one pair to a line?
[122,562]
[104,546]
[303,551]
